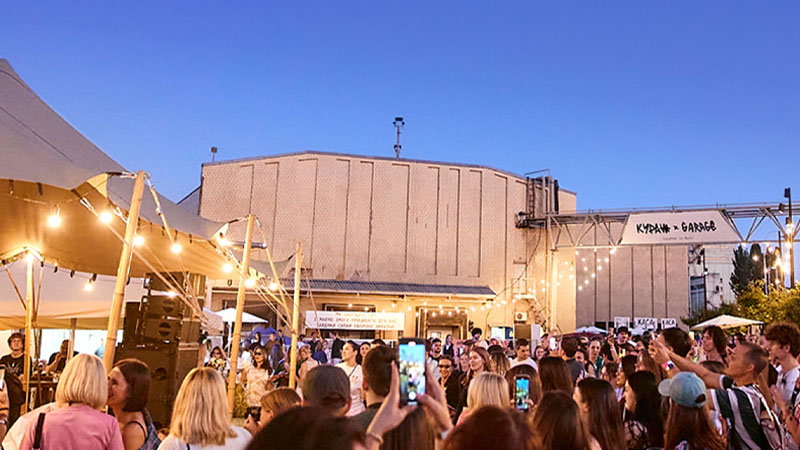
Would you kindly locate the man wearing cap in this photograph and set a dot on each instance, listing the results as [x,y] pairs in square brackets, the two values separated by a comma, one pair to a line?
[327,387]
[688,425]
[735,395]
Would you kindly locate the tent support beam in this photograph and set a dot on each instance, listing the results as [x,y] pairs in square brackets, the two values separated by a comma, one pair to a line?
[122,271]
[295,316]
[237,325]
[29,340]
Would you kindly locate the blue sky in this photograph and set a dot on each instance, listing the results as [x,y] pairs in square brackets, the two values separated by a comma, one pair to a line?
[630,103]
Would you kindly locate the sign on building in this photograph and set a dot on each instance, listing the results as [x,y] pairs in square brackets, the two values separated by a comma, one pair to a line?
[678,228]
[622,322]
[352,320]
[669,323]
[645,323]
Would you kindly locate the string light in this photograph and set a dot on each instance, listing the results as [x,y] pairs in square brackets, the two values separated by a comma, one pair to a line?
[472,308]
[580,288]
[273,286]
[88,286]
[227,268]
[106,217]
[593,275]
[250,282]
[433,314]
[176,248]
[138,241]
[599,267]
[613,250]
[29,257]
[172,294]
[349,305]
[409,308]
[366,308]
[54,221]
[606,260]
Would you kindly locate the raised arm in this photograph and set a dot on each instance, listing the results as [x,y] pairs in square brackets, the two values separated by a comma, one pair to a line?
[661,354]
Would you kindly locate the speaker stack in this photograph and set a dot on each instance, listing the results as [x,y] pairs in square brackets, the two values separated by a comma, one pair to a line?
[161,332]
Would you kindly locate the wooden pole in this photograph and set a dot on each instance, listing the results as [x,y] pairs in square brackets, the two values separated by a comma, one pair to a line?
[295,317]
[122,272]
[29,340]
[237,326]
[73,325]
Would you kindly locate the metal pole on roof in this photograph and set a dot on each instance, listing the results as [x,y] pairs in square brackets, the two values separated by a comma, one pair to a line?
[122,271]
[295,317]
[237,325]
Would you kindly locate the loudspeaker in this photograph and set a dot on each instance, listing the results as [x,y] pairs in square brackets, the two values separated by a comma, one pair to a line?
[197,281]
[163,306]
[130,329]
[169,365]
[160,329]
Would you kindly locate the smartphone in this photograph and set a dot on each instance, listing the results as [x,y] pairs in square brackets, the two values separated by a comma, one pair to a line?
[2,377]
[412,370]
[254,412]
[553,344]
[522,392]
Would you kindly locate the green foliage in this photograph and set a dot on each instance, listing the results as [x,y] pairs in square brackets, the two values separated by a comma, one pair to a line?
[745,270]
[752,303]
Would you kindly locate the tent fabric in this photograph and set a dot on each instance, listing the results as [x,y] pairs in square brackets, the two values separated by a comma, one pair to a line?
[48,166]
[229,316]
[726,321]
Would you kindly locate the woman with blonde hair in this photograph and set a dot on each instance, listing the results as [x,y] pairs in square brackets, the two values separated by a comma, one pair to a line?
[82,392]
[200,416]
[272,405]
[487,389]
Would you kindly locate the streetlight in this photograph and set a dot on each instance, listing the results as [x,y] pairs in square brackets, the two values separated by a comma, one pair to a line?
[398,123]
[790,234]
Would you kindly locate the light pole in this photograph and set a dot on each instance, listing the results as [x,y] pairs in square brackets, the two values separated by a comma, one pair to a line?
[790,235]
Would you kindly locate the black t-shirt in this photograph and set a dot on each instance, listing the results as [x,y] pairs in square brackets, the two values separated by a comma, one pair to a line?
[61,364]
[14,373]
[336,348]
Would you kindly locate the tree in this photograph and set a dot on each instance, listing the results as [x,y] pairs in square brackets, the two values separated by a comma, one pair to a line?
[745,270]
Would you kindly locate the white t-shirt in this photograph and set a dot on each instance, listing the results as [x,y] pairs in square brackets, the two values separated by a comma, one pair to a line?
[233,443]
[786,384]
[356,377]
[515,362]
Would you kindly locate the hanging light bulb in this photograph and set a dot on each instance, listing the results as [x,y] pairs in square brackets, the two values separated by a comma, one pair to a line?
[227,267]
[54,220]
[273,286]
[29,257]
[580,288]
[250,282]
[409,308]
[349,305]
[366,308]
[433,314]
[138,241]
[106,217]
[172,294]
[176,248]
[88,286]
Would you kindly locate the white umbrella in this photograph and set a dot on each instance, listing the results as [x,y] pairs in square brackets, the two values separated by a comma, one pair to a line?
[726,321]
[594,330]
[229,315]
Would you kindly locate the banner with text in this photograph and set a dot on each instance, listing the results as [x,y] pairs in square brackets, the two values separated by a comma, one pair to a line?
[645,323]
[669,323]
[351,320]
[622,322]
[678,228]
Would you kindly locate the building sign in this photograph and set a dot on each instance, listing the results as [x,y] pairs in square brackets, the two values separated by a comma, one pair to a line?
[622,322]
[669,323]
[678,228]
[351,320]
[645,323]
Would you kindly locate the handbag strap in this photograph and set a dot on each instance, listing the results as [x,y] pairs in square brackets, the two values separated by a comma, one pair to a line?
[37,440]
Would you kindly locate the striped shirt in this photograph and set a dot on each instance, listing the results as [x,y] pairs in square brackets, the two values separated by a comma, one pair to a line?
[741,407]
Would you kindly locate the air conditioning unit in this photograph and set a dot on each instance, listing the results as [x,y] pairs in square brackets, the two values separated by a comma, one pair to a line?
[521,316]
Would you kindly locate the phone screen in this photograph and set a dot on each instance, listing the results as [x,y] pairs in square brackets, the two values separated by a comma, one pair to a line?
[522,392]
[553,345]
[412,371]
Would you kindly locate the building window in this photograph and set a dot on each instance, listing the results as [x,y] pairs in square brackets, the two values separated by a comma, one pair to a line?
[697,295]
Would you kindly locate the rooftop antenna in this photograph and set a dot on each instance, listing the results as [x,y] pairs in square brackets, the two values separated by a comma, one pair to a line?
[398,123]
[213,154]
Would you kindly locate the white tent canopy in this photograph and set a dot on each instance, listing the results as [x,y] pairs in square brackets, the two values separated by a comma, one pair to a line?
[725,321]
[591,330]
[229,316]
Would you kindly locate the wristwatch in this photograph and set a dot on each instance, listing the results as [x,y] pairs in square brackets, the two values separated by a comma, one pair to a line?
[669,365]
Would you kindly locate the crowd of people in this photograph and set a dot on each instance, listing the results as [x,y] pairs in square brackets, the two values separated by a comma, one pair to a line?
[665,389]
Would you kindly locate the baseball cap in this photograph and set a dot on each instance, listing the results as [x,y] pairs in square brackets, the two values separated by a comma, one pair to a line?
[685,389]
[327,386]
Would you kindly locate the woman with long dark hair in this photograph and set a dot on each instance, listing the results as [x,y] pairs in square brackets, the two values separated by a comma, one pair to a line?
[255,376]
[479,361]
[642,423]
[688,424]
[599,409]
[557,424]
[554,375]
[128,392]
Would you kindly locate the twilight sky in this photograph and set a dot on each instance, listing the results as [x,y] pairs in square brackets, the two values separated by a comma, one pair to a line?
[630,103]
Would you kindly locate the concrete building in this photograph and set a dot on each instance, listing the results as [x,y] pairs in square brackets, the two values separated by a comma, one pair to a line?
[435,241]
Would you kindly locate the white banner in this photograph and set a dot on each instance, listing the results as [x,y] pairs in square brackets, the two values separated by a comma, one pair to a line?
[351,320]
[645,323]
[678,228]
[668,323]
[622,322]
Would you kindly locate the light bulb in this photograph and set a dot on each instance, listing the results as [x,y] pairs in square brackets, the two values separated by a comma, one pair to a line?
[106,217]
[227,268]
[249,283]
[54,221]
[88,286]
[172,294]
[176,248]
[273,286]
[29,257]
[138,240]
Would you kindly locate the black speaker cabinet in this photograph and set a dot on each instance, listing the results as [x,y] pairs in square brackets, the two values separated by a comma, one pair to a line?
[169,365]
[160,329]
[130,328]
[197,281]
[163,306]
